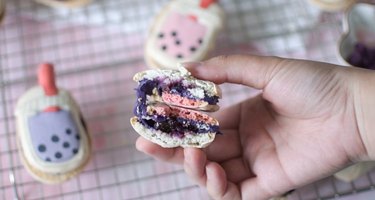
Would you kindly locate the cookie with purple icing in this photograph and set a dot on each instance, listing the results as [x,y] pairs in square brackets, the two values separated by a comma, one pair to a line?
[53,140]
[185,30]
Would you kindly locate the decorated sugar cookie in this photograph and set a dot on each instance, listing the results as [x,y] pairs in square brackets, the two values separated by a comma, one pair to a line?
[2,10]
[52,137]
[185,30]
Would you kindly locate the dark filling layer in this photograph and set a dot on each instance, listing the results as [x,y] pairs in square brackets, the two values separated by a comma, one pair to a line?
[178,126]
[146,86]
[362,56]
[178,88]
[171,124]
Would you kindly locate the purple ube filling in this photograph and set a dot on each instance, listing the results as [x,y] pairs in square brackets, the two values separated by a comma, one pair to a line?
[178,88]
[173,125]
[177,126]
[362,56]
[147,86]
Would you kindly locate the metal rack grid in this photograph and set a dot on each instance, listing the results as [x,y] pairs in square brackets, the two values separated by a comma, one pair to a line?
[96,50]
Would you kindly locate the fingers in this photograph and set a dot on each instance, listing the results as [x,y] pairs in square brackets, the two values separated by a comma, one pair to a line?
[237,170]
[228,117]
[225,146]
[217,185]
[194,165]
[252,189]
[253,71]
[172,155]
[228,144]
[209,174]
[271,180]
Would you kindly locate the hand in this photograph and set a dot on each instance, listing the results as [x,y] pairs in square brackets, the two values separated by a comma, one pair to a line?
[301,128]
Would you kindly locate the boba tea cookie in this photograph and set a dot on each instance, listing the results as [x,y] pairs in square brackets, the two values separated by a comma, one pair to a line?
[185,30]
[64,3]
[52,138]
[2,10]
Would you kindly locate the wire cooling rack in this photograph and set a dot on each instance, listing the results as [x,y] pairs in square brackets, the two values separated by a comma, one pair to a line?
[96,50]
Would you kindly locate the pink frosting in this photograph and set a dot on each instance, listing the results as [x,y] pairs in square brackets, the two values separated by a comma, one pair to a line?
[178,100]
[182,112]
[180,36]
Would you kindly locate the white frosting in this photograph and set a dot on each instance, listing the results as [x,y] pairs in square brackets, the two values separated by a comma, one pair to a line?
[212,18]
[35,101]
[197,92]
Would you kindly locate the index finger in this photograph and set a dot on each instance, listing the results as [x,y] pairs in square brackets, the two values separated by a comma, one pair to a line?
[249,70]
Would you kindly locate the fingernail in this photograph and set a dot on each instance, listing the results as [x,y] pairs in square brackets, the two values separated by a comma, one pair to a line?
[190,65]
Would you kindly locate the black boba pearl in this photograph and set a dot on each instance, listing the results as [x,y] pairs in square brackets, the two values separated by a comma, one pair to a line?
[58,155]
[66,145]
[42,148]
[78,137]
[48,159]
[174,33]
[55,138]
[68,131]
[164,47]
[75,151]
[193,49]
[200,41]
[179,56]
[160,35]
[177,42]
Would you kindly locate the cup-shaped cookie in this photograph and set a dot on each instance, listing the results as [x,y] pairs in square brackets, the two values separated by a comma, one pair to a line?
[185,30]
[52,137]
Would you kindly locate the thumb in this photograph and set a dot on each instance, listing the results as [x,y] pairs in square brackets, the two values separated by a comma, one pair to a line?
[253,71]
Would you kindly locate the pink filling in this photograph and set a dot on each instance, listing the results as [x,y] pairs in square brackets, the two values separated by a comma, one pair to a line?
[184,113]
[179,100]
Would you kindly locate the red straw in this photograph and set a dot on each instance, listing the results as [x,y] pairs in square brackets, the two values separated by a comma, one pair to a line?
[193,17]
[52,109]
[206,3]
[46,78]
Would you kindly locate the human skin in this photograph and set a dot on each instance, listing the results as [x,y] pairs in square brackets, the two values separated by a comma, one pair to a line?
[310,120]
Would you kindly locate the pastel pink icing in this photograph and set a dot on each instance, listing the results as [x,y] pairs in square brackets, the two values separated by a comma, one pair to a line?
[180,36]
[182,112]
[178,100]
